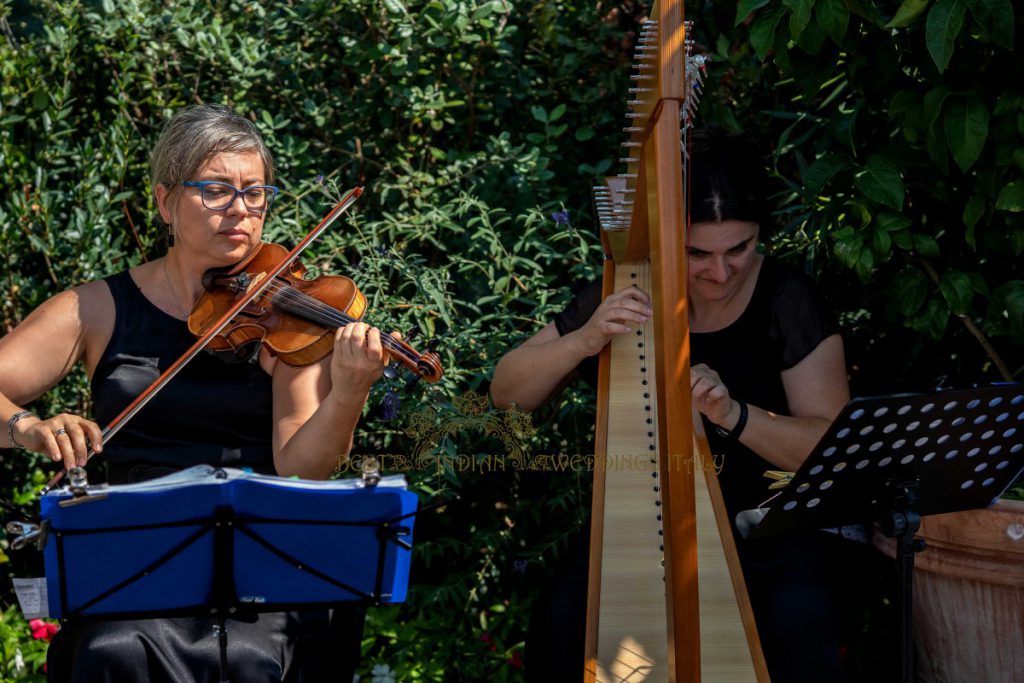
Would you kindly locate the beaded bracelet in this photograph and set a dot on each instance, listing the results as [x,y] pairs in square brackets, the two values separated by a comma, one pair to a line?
[13,420]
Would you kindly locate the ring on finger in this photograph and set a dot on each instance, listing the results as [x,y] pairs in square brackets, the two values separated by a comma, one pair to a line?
[60,431]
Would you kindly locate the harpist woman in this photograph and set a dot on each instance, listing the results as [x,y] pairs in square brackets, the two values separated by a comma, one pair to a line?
[768,375]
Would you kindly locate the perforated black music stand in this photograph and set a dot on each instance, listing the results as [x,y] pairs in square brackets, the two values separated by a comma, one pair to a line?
[892,459]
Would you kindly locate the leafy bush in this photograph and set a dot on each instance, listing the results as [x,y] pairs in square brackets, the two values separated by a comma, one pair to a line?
[903,155]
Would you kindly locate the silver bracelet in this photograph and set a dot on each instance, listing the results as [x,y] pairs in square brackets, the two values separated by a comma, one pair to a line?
[13,420]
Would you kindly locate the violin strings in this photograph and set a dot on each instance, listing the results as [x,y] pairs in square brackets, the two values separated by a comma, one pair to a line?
[305,305]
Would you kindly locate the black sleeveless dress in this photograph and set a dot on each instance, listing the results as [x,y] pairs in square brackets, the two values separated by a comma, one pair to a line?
[216,413]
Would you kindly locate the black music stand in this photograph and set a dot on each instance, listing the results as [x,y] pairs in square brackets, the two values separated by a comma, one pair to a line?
[891,459]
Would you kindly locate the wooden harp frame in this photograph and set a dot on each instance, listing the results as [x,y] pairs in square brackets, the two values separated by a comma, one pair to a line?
[642,213]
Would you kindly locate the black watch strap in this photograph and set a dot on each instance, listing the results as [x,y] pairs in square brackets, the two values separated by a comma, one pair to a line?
[734,433]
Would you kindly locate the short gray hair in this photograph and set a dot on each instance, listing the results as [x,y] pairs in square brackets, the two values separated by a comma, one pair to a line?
[197,133]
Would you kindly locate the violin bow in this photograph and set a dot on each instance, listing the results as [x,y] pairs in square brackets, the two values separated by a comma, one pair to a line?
[251,295]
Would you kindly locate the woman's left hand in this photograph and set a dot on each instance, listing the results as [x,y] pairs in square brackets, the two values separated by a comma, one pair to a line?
[711,397]
[359,357]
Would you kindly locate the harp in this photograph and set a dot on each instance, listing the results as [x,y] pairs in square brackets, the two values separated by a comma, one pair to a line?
[666,598]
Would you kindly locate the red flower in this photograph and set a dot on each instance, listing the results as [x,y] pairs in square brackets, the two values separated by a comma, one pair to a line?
[486,637]
[516,660]
[43,630]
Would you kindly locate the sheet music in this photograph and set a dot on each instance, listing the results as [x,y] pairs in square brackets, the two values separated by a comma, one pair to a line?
[203,475]
[33,598]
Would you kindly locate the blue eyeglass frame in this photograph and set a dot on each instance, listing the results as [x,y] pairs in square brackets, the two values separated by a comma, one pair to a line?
[201,184]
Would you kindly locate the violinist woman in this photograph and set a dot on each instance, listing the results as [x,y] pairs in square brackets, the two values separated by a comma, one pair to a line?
[768,376]
[212,176]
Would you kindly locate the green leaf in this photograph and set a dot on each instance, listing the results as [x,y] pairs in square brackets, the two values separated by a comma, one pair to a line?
[865,264]
[1007,305]
[882,242]
[908,12]
[944,22]
[556,113]
[822,170]
[762,33]
[833,17]
[902,101]
[966,124]
[996,17]
[812,39]
[903,239]
[957,290]
[936,142]
[880,181]
[978,283]
[539,114]
[745,7]
[891,221]
[841,127]
[848,251]
[800,16]
[926,246]
[584,134]
[1007,103]
[1011,197]
[911,290]
[484,10]
[933,101]
[973,211]
[932,321]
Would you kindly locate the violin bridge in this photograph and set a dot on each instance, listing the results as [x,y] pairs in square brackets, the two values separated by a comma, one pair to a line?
[251,280]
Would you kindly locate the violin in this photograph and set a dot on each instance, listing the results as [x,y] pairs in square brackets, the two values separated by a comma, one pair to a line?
[273,286]
[294,318]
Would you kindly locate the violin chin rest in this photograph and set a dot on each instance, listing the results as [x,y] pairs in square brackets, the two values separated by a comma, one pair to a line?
[246,353]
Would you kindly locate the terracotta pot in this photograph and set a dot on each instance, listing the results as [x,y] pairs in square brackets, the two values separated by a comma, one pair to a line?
[969,596]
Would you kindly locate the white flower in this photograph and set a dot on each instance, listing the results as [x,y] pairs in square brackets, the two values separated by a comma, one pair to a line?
[382,673]
[19,663]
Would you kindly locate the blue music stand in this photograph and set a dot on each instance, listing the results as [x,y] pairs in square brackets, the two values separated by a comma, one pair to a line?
[210,541]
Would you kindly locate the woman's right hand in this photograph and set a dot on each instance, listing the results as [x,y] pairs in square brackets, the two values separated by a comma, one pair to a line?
[63,438]
[615,316]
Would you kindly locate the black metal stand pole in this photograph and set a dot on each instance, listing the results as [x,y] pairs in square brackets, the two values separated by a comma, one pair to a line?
[902,524]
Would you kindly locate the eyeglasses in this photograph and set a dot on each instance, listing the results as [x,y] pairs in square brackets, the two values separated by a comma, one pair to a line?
[218,196]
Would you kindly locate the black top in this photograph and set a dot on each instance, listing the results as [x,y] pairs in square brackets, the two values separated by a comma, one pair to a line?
[785,321]
[213,412]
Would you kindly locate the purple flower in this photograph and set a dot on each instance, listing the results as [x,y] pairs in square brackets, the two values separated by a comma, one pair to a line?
[319,180]
[390,404]
[519,566]
[561,217]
